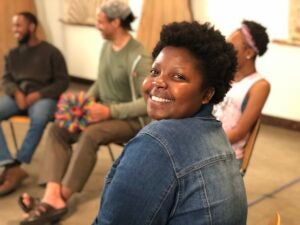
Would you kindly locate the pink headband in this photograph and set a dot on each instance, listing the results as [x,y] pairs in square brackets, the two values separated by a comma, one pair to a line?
[248,37]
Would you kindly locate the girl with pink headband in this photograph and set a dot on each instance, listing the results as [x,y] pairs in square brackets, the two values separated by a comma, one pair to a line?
[244,102]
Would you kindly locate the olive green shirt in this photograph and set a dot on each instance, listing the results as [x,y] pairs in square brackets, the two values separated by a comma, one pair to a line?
[112,86]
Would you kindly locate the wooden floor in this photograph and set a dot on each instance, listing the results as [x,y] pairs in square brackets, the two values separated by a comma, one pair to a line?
[272,181]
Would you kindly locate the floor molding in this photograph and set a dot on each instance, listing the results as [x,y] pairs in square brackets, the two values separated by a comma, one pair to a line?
[81,80]
[280,122]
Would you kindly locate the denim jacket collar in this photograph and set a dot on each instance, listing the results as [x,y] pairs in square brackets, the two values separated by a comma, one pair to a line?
[205,111]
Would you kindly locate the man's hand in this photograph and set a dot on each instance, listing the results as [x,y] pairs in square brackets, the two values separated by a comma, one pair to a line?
[33,97]
[21,100]
[99,112]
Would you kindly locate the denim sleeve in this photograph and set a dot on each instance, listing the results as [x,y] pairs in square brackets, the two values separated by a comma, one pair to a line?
[142,189]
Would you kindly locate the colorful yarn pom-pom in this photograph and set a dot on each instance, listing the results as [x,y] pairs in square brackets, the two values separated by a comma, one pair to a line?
[72,111]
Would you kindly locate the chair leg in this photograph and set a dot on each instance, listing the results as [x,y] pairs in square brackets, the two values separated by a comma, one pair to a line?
[111,153]
[13,135]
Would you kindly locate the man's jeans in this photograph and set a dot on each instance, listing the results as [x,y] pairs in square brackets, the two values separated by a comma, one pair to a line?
[40,113]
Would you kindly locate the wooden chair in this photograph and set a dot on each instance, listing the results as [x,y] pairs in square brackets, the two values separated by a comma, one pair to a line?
[275,220]
[249,147]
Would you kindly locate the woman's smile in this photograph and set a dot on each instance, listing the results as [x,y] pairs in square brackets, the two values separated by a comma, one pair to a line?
[160,100]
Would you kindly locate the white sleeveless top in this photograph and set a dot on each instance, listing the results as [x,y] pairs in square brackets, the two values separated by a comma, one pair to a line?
[230,109]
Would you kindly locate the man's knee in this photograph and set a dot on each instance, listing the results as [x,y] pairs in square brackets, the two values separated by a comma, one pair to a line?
[40,120]
[89,135]
[56,131]
[43,110]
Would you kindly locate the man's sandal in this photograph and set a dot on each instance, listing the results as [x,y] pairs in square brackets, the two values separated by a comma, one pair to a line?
[33,202]
[44,213]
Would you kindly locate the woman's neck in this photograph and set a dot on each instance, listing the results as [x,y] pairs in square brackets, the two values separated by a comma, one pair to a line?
[244,72]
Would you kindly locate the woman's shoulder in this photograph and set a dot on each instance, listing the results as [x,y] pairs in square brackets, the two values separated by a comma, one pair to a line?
[165,125]
[162,129]
[263,83]
[190,141]
[170,129]
[259,83]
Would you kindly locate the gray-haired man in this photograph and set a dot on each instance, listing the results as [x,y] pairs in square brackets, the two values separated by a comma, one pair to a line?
[122,68]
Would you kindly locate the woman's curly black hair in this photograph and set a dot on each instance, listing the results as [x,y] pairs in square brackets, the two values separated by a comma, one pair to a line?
[216,58]
[259,35]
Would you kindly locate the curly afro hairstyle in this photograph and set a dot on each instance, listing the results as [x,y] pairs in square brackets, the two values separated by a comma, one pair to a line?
[259,35]
[216,58]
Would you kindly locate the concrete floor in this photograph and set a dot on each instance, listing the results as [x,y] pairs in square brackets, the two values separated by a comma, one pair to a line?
[272,180]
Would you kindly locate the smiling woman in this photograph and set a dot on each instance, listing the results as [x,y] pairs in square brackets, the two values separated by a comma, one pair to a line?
[180,169]
[174,87]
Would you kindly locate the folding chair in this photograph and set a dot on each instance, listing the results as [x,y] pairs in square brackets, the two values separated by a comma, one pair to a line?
[249,147]
[111,151]
[275,220]
[17,119]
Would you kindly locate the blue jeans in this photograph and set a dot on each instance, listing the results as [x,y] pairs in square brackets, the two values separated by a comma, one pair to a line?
[40,113]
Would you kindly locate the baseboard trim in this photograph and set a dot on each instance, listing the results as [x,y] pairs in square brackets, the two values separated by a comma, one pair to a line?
[280,122]
[81,80]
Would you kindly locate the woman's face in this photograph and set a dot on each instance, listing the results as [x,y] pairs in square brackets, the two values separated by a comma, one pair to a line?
[242,48]
[174,87]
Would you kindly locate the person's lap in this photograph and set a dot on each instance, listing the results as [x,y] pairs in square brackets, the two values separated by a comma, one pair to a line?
[40,114]
[8,107]
[44,108]
[84,155]
[115,130]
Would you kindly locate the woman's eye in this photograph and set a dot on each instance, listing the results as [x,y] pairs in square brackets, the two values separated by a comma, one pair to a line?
[154,72]
[179,76]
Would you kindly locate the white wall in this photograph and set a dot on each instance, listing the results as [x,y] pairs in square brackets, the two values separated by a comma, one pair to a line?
[280,65]
[81,45]
[227,15]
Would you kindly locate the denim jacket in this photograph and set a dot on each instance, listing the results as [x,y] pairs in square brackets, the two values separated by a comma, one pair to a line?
[176,172]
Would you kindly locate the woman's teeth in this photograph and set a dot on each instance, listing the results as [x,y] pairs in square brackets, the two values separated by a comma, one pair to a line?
[158,99]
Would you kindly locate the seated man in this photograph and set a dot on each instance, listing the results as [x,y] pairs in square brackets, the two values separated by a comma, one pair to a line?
[35,75]
[115,115]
